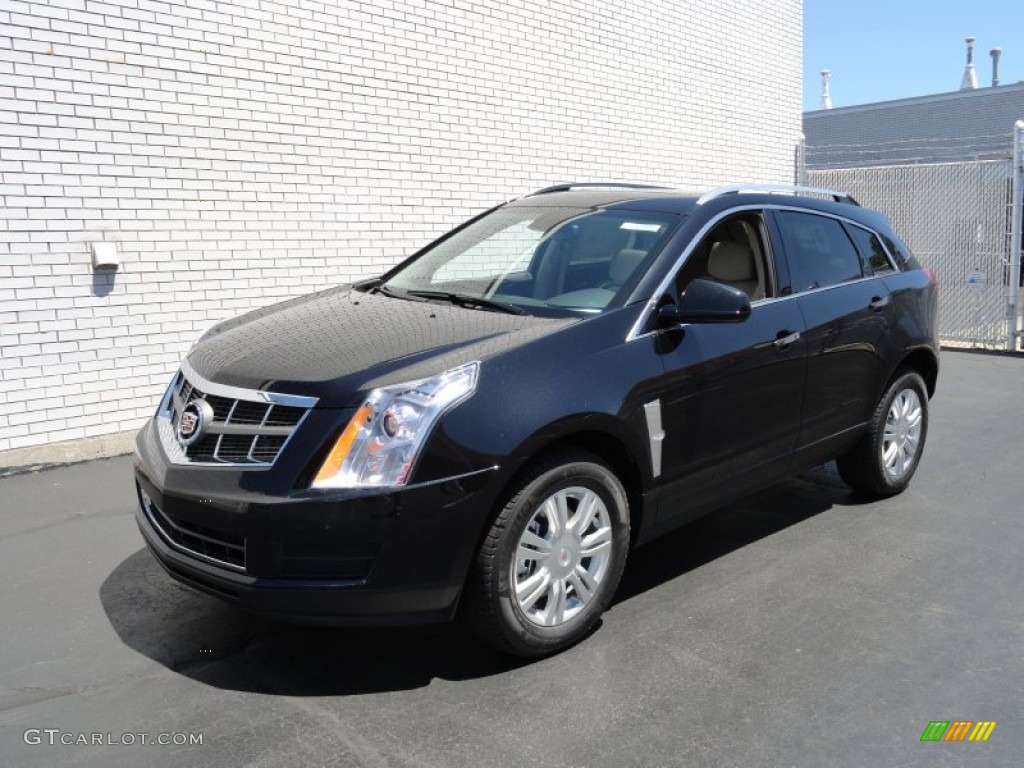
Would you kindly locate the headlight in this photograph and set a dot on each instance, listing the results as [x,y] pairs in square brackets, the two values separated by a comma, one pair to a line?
[384,437]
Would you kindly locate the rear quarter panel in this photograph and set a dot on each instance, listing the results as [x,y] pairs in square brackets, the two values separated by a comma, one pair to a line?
[916,317]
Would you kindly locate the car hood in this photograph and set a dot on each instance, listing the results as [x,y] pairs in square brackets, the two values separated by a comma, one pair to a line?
[338,343]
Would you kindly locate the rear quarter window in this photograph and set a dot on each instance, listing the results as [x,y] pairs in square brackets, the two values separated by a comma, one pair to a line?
[876,260]
[898,249]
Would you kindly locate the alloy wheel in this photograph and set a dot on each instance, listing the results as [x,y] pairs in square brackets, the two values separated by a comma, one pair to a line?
[562,556]
[902,434]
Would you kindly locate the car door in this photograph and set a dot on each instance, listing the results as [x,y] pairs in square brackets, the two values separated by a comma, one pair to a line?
[847,313]
[731,394]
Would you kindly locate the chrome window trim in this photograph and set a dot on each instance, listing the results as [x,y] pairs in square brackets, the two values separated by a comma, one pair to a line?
[787,297]
[772,299]
[649,306]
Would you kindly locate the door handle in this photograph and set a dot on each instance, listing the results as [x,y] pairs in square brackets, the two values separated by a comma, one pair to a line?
[878,303]
[786,339]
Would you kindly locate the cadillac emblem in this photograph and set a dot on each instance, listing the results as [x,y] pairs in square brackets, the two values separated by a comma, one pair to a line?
[194,419]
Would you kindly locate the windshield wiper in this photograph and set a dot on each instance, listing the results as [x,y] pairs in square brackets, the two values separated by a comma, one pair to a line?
[468,301]
[394,293]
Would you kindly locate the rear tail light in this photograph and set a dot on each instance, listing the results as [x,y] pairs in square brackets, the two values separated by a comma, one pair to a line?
[931,276]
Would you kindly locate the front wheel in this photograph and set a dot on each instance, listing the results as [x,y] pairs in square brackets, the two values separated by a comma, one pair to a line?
[886,457]
[553,557]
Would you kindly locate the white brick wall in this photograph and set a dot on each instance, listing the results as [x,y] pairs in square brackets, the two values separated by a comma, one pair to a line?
[242,152]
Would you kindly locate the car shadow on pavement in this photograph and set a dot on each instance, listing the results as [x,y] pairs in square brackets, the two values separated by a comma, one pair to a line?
[734,526]
[217,644]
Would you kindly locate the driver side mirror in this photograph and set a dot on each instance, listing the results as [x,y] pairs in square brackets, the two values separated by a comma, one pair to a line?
[705,301]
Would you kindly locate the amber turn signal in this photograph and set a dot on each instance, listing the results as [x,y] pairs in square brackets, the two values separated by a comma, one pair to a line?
[332,464]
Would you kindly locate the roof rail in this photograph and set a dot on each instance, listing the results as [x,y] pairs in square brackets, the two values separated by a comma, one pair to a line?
[773,189]
[592,185]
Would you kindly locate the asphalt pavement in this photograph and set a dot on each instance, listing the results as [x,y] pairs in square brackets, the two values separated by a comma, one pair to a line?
[801,627]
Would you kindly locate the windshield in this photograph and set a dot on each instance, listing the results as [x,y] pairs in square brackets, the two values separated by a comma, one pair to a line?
[548,261]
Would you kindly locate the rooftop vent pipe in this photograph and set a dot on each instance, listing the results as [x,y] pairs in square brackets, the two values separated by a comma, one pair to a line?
[970,81]
[826,97]
[996,53]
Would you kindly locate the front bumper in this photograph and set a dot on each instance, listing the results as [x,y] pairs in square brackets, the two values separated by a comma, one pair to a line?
[345,558]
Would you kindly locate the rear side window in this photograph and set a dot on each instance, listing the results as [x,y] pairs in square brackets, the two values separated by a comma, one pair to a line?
[871,250]
[818,250]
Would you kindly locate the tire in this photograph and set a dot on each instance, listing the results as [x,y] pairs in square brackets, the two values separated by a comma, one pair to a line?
[546,602]
[886,457]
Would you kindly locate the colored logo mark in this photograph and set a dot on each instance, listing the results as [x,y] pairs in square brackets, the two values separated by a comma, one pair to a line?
[958,730]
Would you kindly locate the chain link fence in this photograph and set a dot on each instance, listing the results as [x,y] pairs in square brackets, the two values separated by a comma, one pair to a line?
[956,218]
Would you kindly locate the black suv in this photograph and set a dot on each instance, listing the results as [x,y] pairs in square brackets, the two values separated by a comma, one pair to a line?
[489,427]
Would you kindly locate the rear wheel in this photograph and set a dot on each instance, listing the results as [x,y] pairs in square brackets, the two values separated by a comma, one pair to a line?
[885,459]
[551,562]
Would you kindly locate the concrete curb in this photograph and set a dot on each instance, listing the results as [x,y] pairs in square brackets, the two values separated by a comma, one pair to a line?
[19,460]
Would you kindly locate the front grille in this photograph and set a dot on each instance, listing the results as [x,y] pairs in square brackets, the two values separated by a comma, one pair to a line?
[199,541]
[248,428]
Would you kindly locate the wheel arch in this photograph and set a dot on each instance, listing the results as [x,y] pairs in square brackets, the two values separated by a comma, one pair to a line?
[599,437]
[925,362]
[613,452]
